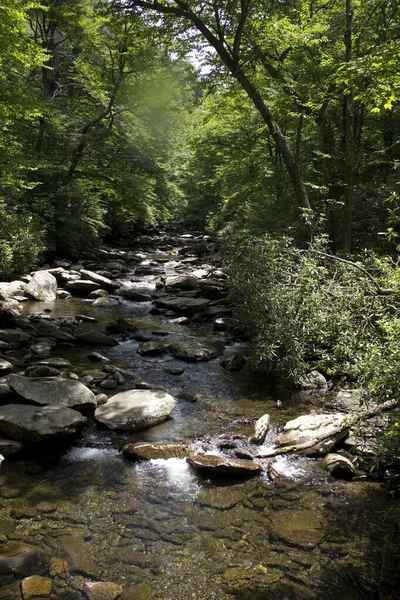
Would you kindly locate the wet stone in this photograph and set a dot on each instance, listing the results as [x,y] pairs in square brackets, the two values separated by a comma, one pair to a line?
[102,590]
[5,367]
[35,587]
[77,554]
[218,466]
[22,559]
[148,451]
[298,527]
[174,370]
[140,591]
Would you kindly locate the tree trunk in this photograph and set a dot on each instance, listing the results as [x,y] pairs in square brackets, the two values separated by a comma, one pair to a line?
[348,142]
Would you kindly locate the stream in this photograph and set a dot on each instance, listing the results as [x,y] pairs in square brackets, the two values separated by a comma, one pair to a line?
[161,531]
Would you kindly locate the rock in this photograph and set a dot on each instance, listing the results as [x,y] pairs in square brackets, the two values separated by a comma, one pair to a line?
[100,590]
[106,302]
[22,559]
[93,339]
[319,432]
[96,357]
[180,321]
[152,348]
[57,363]
[174,370]
[42,371]
[217,466]
[148,451]
[121,326]
[102,282]
[97,294]
[135,410]
[181,282]
[36,587]
[13,288]
[131,293]
[339,466]
[41,349]
[195,350]
[65,264]
[101,399]
[139,591]
[5,367]
[182,304]
[42,286]
[299,527]
[9,447]
[261,429]
[63,295]
[196,248]
[77,554]
[52,391]
[14,335]
[108,384]
[81,287]
[313,381]
[149,270]
[234,362]
[37,424]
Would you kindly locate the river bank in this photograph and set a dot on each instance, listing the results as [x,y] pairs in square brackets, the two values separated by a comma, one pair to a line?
[157,529]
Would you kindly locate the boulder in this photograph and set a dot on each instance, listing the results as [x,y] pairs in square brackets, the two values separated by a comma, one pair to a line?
[182,304]
[22,559]
[181,282]
[135,410]
[106,302]
[152,348]
[9,447]
[36,587]
[14,335]
[315,434]
[298,527]
[102,590]
[13,288]
[217,466]
[121,326]
[339,466]
[261,429]
[38,424]
[76,551]
[81,287]
[131,293]
[149,451]
[42,286]
[149,270]
[41,371]
[52,391]
[195,350]
[313,381]
[196,248]
[102,282]
[5,367]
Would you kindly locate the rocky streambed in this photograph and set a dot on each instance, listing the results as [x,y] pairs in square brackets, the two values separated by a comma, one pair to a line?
[135,465]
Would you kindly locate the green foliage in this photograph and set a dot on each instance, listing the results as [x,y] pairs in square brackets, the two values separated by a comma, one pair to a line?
[21,242]
[305,309]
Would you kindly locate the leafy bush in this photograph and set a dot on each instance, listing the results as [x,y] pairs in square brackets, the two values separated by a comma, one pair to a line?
[306,308]
[21,242]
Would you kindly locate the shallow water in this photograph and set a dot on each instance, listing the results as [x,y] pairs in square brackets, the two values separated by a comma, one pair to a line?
[159,524]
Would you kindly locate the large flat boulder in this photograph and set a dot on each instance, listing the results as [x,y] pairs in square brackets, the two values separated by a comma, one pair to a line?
[149,451]
[135,410]
[53,391]
[213,465]
[315,434]
[103,282]
[38,424]
[81,287]
[182,304]
[195,350]
[181,282]
[42,286]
